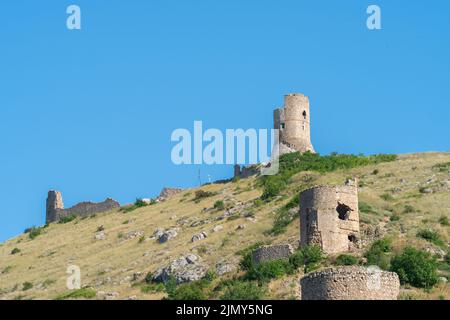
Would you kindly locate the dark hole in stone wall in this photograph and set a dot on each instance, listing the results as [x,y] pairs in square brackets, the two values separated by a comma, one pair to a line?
[343,210]
[352,238]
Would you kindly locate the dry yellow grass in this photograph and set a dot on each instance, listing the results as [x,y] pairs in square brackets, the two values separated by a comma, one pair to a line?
[108,265]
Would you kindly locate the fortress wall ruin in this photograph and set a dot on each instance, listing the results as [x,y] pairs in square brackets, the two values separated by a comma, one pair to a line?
[350,283]
[269,253]
[56,211]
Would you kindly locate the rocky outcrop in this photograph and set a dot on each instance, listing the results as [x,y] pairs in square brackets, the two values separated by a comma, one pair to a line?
[167,235]
[184,269]
[200,236]
[167,193]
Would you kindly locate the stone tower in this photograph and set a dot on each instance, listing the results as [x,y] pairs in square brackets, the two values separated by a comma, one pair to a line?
[329,218]
[293,123]
[54,203]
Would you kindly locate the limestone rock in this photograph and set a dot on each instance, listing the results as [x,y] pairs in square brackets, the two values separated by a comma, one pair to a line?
[100,236]
[225,267]
[133,234]
[184,269]
[200,236]
[168,234]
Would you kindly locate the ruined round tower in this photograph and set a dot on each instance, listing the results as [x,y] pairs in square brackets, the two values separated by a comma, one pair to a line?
[54,203]
[350,283]
[293,123]
[329,217]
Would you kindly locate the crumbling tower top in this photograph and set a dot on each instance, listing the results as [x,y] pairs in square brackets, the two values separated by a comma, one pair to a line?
[293,123]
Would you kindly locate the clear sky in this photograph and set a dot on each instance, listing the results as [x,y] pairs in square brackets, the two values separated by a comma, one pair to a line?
[90,112]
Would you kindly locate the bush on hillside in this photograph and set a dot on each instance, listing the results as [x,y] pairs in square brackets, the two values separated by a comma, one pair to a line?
[346,260]
[431,236]
[243,290]
[308,257]
[378,253]
[415,267]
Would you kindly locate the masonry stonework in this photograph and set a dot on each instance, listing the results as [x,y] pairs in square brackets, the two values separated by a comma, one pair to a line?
[293,123]
[329,218]
[350,283]
[269,253]
[56,211]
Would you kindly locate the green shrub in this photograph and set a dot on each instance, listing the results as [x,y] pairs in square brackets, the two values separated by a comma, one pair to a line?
[83,293]
[48,282]
[195,290]
[415,267]
[346,260]
[100,228]
[273,187]
[387,197]
[408,209]
[431,236]
[285,216]
[243,290]
[375,172]
[27,286]
[140,203]
[308,257]
[34,232]
[258,203]
[201,194]
[395,217]
[378,254]
[219,205]
[170,285]
[442,166]
[366,208]
[6,269]
[210,276]
[443,220]
[266,271]
[153,287]
[67,219]
[149,277]
[15,251]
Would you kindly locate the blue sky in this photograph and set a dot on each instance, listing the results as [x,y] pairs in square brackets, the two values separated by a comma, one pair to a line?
[90,112]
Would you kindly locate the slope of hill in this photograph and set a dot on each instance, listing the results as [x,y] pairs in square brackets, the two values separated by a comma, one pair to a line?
[115,250]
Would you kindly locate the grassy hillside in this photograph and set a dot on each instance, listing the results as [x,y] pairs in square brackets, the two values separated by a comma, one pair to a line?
[407,199]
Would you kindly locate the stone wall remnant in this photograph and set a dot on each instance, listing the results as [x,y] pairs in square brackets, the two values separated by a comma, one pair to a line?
[55,207]
[269,253]
[350,283]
